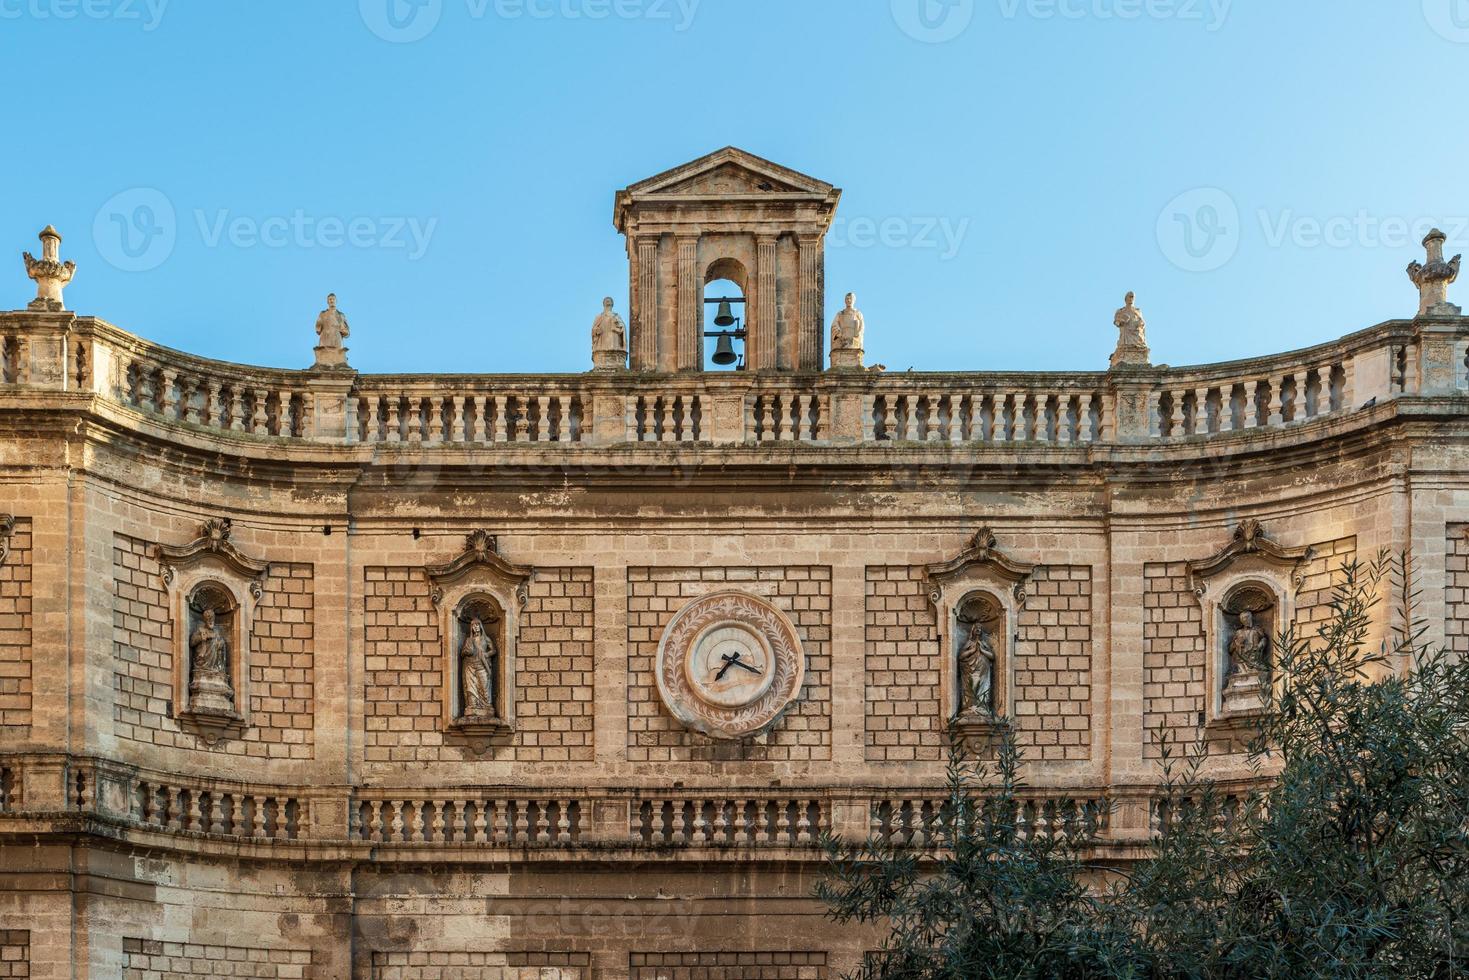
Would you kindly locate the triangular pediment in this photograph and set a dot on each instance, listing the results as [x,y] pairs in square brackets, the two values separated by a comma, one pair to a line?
[730,171]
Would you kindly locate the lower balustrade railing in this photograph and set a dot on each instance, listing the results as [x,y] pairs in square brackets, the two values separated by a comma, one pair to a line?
[722,822]
[920,822]
[209,808]
[506,821]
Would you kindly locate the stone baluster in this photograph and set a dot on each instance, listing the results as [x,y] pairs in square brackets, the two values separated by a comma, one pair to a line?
[521,824]
[1276,417]
[257,816]
[700,833]
[457,433]
[1201,411]
[1298,407]
[478,827]
[394,424]
[168,403]
[257,414]
[563,821]
[869,418]
[803,821]
[1177,418]
[741,822]
[721,822]
[997,418]
[783,821]
[413,419]
[1084,418]
[190,407]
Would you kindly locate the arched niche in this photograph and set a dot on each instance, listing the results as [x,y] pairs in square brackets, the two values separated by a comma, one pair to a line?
[981,589]
[477,695]
[213,591]
[1250,577]
[479,584]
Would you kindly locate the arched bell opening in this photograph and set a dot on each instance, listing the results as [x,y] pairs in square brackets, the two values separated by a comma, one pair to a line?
[725,315]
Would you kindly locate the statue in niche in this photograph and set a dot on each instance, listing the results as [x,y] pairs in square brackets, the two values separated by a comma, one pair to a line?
[976,659]
[1132,334]
[210,690]
[1247,615]
[331,331]
[609,339]
[477,656]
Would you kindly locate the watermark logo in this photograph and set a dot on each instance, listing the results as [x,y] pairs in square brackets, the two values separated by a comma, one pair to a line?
[1199,230]
[1448,18]
[944,236]
[406,21]
[401,21]
[146,13]
[933,21]
[136,230]
[1212,14]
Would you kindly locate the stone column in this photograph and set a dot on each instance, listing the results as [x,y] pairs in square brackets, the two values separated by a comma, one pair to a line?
[762,353]
[812,286]
[645,308]
[690,346]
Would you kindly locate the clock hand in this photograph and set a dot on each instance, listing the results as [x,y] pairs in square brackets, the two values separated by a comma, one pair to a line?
[741,663]
[729,661]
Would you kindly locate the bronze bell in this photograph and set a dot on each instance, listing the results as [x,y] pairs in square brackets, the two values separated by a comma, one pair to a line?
[724,350]
[725,318]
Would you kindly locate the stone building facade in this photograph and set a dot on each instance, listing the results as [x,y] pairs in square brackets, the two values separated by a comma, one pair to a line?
[323,674]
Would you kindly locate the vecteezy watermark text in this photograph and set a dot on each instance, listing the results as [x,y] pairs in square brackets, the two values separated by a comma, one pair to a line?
[147,13]
[1210,13]
[137,230]
[943,235]
[406,21]
[1201,230]
[302,230]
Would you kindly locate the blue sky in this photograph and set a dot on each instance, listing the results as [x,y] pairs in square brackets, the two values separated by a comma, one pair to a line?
[1259,172]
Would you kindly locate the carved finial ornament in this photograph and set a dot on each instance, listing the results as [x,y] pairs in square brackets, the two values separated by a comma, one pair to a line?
[50,273]
[1434,277]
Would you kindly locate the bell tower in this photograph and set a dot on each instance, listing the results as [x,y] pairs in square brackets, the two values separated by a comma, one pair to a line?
[729,215]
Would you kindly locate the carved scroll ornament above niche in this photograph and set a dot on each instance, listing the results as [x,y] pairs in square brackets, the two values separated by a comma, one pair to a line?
[482,552]
[983,551]
[7,530]
[213,542]
[1251,546]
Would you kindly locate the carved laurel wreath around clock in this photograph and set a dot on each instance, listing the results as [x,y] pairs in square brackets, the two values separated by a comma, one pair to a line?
[678,644]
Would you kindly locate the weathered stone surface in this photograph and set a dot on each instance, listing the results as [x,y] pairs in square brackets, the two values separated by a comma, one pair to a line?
[350,828]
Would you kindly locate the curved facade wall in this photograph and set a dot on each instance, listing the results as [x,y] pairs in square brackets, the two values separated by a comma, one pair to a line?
[347,813]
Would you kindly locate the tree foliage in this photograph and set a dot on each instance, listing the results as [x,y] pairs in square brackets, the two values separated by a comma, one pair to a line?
[1349,858]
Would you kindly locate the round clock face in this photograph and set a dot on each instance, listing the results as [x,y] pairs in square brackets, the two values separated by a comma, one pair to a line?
[729,665]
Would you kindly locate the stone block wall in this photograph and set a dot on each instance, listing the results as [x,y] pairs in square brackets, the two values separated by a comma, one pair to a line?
[903,666]
[146,959]
[1052,670]
[1174,654]
[16,688]
[15,953]
[1053,665]
[281,664]
[654,596]
[727,966]
[421,965]
[405,680]
[1456,591]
